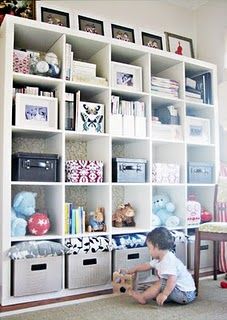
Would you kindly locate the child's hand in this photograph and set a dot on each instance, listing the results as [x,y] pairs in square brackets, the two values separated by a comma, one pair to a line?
[131,271]
[161,298]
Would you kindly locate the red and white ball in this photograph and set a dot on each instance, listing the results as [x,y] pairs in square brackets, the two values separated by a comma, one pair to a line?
[38,224]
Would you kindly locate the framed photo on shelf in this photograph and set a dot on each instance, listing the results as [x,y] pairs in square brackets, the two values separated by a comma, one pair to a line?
[36,112]
[125,76]
[91,25]
[197,130]
[179,45]
[25,9]
[152,40]
[56,17]
[122,33]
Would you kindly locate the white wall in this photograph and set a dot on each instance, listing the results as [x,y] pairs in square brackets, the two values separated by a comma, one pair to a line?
[156,15]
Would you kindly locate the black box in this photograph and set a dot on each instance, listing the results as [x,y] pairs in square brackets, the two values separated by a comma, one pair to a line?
[128,170]
[34,167]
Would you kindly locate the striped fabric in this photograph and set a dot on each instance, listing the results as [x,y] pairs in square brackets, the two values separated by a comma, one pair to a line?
[222,217]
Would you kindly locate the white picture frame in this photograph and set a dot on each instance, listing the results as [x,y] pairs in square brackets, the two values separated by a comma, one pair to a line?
[197,130]
[36,112]
[125,76]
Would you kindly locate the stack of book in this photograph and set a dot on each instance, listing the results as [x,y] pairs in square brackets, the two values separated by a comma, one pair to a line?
[198,88]
[74,219]
[166,87]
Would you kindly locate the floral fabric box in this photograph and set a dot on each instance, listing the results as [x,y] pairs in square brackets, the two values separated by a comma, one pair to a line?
[165,173]
[84,171]
[21,61]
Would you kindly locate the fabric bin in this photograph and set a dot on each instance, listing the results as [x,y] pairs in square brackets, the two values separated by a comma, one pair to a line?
[88,269]
[84,171]
[206,253]
[36,275]
[128,170]
[34,167]
[128,258]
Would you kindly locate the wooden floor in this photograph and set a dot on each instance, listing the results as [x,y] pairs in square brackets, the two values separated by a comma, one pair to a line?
[49,301]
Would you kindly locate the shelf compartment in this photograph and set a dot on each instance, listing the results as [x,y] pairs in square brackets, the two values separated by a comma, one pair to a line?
[135,195]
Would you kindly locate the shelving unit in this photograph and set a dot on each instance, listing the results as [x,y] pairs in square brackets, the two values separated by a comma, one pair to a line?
[37,36]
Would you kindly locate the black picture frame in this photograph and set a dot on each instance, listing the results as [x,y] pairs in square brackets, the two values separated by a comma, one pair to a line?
[179,45]
[56,17]
[122,33]
[91,25]
[152,40]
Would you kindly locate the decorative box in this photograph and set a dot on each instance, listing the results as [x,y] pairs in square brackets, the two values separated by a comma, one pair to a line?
[34,167]
[83,70]
[37,275]
[200,172]
[88,269]
[128,170]
[193,212]
[84,171]
[21,61]
[165,173]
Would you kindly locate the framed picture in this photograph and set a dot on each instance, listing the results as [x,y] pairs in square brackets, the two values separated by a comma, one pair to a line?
[152,41]
[126,76]
[180,45]
[122,33]
[197,130]
[55,17]
[25,9]
[91,25]
[36,112]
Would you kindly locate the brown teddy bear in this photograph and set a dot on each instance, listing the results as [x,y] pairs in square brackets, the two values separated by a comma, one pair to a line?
[96,220]
[124,216]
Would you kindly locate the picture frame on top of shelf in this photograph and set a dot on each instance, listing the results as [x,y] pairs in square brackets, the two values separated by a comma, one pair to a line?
[90,25]
[179,45]
[122,33]
[197,130]
[53,16]
[23,9]
[152,40]
[36,112]
[126,76]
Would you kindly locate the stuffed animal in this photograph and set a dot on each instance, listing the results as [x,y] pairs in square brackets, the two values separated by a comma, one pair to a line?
[23,207]
[124,216]
[96,220]
[163,211]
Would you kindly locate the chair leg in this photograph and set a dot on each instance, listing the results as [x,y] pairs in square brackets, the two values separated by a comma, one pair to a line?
[215,259]
[197,260]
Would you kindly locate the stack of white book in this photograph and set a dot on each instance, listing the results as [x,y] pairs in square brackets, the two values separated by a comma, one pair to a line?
[164,86]
[191,91]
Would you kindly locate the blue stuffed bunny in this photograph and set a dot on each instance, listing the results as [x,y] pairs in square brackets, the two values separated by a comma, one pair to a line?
[24,205]
[163,211]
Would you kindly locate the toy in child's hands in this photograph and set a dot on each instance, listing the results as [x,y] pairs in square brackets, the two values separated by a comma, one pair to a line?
[124,216]
[123,282]
[38,224]
[23,207]
[163,211]
[96,220]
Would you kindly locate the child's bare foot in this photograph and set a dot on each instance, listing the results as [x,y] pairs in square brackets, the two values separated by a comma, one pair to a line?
[137,296]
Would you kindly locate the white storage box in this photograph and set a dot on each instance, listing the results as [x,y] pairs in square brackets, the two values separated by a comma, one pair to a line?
[83,70]
[206,254]
[165,173]
[37,275]
[88,269]
[128,258]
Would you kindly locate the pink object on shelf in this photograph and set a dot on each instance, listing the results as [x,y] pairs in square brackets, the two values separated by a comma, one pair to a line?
[84,171]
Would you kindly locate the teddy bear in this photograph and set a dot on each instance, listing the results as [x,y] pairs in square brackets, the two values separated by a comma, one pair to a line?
[163,211]
[124,216]
[23,207]
[96,220]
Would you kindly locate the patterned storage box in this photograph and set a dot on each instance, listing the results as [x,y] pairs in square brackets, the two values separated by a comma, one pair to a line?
[20,61]
[165,173]
[83,171]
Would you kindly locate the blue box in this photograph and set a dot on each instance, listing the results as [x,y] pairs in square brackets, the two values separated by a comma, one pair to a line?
[200,172]
[128,170]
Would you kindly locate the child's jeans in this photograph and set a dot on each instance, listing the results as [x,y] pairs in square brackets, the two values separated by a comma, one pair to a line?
[182,297]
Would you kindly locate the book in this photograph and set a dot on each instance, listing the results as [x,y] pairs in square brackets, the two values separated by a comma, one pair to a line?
[203,84]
